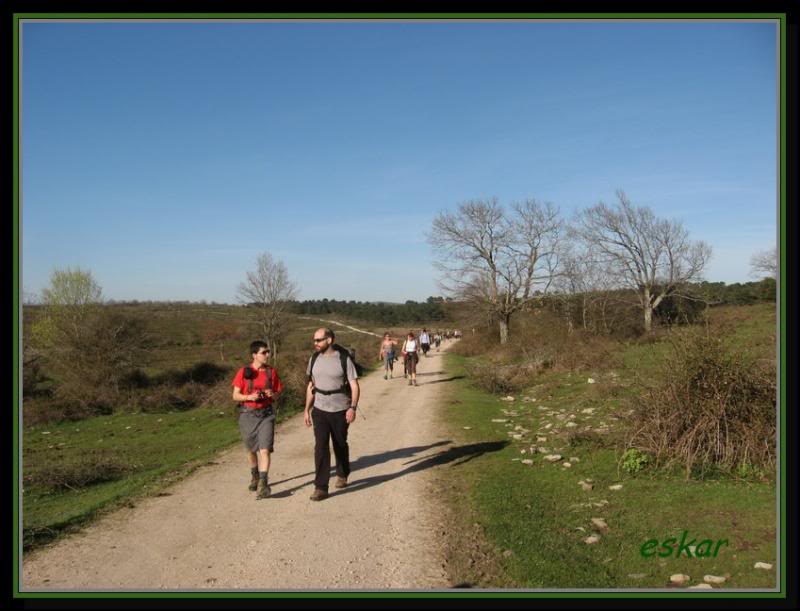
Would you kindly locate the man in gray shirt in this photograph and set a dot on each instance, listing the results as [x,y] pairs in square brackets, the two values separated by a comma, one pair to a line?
[332,392]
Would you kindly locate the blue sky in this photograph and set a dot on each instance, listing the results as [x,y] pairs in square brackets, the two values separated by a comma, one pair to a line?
[165,157]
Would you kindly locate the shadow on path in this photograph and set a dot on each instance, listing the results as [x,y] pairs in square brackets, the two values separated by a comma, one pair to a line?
[440,381]
[457,456]
[362,462]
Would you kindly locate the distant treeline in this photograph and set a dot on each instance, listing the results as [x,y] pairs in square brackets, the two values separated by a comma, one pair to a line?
[385,313]
[718,293]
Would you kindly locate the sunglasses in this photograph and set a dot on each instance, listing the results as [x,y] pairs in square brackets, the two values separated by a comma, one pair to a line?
[264,352]
[319,339]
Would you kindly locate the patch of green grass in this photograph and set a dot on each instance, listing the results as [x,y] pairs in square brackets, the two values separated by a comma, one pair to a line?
[537,516]
[155,448]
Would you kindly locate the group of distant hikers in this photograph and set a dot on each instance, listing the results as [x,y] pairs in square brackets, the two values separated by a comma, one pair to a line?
[332,394]
[413,344]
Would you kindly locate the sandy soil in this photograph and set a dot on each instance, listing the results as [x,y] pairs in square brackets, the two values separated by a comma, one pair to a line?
[384,531]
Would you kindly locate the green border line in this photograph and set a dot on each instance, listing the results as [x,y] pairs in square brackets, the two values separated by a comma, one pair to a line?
[782,278]
[581,594]
[15,512]
[414,16]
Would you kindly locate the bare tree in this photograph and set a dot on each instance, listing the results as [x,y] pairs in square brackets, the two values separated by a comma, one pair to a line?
[497,261]
[587,282]
[269,290]
[652,256]
[764,263]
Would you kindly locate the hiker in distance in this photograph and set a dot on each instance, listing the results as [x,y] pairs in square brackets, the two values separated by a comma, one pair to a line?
[332,396]
[411,356]
[387,355]
[425,341]
[256,386]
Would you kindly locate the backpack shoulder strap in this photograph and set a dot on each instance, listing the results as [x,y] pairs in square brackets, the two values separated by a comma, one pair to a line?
[248,375]
[343,356]
[268,371]
[311,366]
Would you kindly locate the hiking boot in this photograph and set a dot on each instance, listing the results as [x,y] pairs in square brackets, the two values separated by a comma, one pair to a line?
[253,483]
[262,489]
[341,482]
[409,382]
[385,377]
[415,382]
[319,494]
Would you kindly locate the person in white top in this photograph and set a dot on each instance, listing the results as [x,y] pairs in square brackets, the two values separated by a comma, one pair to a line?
[410,356]
[425,341]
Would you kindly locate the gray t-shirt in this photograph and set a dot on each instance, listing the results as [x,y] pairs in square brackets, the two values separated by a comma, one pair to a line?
[328,375]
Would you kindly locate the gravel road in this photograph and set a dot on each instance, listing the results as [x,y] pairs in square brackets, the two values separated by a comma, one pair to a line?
[384,531]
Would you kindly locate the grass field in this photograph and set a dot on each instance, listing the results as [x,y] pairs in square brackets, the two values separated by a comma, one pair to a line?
[534,517]
[75,471]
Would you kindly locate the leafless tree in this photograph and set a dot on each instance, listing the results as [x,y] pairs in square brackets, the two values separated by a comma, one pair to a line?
[498,261]
[588,282]
[269,290]
[764,263]
[652,256]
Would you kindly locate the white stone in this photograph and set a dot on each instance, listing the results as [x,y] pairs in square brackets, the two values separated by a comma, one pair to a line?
[541,439]
[679,579]
[588,410]
[600,524]
[571,424]
[592,539]
[553,457]
[762,565]
[574,459]
[701,586]
[714,579]
[566,464]
[527,461]
[615,487]
[467,428]
[590,381]
[499,420]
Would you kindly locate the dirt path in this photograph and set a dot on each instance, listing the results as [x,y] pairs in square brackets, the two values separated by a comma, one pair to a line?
[383,531]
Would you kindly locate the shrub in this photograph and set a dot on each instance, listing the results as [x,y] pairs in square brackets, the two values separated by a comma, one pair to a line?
[711,409]
[501,379]
[91,467]
[166,397]
[634,461]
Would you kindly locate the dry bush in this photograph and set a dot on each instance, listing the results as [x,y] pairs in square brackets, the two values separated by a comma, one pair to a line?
[501,379]
[545,339]
[46,410]
[166,397]
[712,409]
[475,344]
[92,467]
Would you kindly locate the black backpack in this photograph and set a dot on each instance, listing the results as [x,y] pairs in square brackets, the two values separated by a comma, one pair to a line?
[344,354]
[251,374]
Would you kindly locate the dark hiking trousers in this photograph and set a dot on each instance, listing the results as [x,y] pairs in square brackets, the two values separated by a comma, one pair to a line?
[330,426]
